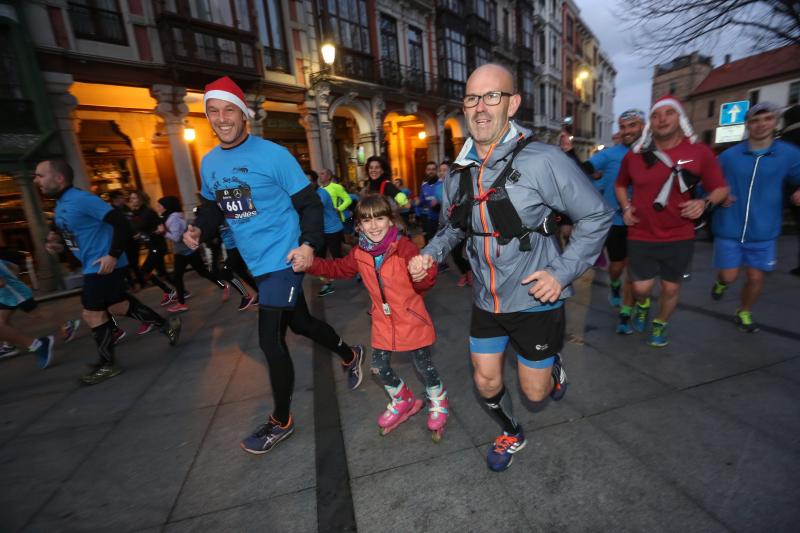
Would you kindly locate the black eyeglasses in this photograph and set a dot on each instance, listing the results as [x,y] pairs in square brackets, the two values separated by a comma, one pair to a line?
[490,98]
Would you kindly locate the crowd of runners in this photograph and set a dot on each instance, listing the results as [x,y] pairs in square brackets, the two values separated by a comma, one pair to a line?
[499,212]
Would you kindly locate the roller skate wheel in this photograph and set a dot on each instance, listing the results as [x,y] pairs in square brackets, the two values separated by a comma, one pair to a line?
[382,431]
[437,435]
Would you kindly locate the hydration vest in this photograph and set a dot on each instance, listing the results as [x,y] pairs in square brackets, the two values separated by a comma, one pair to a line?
[505,219]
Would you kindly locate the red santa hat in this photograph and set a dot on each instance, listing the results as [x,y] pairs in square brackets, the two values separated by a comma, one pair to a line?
[666,101]
[226,89]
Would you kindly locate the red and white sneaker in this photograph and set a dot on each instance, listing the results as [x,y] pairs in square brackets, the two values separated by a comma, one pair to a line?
[145,327]
[168,298]
[177,307]
[118,335]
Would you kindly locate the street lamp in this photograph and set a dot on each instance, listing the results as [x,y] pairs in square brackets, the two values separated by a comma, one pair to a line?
[583,74]
[189,134]
[422,135]
[328,50]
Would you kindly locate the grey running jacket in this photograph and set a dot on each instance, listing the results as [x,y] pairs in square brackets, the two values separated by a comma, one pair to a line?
[550,181]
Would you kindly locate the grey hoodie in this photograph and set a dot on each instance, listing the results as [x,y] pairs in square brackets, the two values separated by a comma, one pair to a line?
[550,181]
[175,226]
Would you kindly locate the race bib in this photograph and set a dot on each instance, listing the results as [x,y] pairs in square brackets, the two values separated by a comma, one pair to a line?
[236,202]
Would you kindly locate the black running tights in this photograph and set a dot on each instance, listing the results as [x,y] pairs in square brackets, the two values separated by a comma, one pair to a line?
[272,325]
[193,259]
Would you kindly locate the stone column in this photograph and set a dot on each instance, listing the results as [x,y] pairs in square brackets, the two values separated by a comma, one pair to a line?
[172,108]
[441,117]
[63,104]
[255,101]
[322,97]
[433,148]
[378,112]
[308,119]
[37,227]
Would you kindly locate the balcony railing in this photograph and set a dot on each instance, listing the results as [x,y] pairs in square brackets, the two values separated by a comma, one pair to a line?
[502,42]
[196,43]
[394,75]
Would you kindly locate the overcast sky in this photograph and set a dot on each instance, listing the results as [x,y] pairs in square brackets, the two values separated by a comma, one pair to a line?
[634,72]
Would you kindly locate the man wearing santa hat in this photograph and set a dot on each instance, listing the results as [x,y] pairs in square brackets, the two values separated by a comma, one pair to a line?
[275,215]
[662,170]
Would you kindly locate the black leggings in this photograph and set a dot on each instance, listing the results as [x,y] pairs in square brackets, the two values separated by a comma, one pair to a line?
[133,272]
[155,261]
[193,259]
[272,325]
[234,265]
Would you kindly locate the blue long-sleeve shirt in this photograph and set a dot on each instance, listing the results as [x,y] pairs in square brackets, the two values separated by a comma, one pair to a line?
[757,180]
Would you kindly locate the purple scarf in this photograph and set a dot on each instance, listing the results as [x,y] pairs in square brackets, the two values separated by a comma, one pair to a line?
[377,248]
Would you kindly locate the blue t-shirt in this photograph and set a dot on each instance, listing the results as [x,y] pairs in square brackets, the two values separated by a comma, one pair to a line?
[226,235]
[79,217]
[253,183]
[608,162]
[332,222]
[15,292]
[428,193]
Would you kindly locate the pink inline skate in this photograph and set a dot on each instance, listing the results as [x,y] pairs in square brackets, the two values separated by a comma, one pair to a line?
[402,406]
[437,411]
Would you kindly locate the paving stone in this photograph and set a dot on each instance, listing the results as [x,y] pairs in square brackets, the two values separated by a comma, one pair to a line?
[224,476]
[33,469]
[283,514]
[132,477]
[572,477]
[718,462]
[454,492]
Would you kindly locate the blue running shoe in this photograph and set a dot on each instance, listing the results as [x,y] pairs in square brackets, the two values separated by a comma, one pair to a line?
[559,379]
[267,436]
[639,319]
[658,335]
[44,353]
[501,453]
[624,326]
[353,368]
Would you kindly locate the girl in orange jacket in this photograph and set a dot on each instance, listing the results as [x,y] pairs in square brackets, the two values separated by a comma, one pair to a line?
[400,321]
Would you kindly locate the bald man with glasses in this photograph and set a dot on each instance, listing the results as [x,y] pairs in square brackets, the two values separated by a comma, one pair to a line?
[521,276]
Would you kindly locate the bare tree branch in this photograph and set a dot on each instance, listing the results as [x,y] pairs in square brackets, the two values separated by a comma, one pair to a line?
[664,29]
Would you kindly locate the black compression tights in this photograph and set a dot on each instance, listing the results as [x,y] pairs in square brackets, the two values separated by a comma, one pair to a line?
[272,325]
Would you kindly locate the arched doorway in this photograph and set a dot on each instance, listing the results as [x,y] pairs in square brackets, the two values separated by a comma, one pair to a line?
[109,157]
[412,141]
[353,138]
[454,137]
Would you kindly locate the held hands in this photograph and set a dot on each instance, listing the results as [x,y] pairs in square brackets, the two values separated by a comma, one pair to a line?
[191,237]
[161,230]
[301,258]
[107,264]
[418,267]
[729,200]
[545,287]
[692,209]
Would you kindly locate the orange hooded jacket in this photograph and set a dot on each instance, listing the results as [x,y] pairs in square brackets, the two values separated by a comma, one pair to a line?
[408,325]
